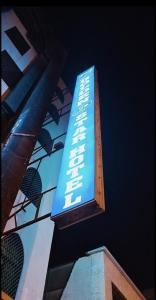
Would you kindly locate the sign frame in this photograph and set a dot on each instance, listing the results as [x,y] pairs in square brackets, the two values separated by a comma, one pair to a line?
[96,205]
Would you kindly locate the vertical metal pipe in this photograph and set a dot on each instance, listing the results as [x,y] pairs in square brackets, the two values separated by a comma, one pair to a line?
[16,100]
[19,147]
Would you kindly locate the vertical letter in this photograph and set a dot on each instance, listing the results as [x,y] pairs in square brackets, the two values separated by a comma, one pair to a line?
[68,202]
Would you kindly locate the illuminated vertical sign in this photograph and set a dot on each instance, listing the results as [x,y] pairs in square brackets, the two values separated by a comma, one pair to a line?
[76,185]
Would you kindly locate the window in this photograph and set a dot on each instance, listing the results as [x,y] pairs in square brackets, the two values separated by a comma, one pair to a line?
[32,185]
[54,113]
[12,258]
[11,74]
[18,40]
[45,140]
[116,294]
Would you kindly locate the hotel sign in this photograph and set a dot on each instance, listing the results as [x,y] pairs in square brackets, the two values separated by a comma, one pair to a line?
[78,185]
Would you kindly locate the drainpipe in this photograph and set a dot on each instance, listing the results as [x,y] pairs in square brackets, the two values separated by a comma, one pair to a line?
[20,144]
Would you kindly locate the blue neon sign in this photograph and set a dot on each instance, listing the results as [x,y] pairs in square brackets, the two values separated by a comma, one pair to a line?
[76,180]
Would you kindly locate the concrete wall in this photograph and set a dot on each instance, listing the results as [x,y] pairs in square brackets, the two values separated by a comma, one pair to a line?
[86,281]
[37,238]
[9,20]
[116,275]
[92,278]
[36,241]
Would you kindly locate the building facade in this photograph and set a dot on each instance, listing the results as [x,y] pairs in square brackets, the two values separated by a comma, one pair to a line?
[41,175]
[28,232]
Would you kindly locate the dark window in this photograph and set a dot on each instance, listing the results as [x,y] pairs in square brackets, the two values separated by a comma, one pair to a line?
[45,140]
[12,257]
[54,113]
[11,74]
[32,185]
[116,294]
[16,37]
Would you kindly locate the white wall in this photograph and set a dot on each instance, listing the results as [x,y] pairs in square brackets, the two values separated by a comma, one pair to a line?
[92,277]
[9,20]
[86,281]
[37,238]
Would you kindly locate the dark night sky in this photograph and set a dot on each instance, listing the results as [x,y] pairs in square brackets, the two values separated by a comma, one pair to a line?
[119,41]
